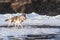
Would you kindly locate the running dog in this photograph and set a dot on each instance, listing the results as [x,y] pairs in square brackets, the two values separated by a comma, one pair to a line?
[17,20]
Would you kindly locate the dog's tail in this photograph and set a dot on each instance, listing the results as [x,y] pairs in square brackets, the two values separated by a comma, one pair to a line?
[6,20]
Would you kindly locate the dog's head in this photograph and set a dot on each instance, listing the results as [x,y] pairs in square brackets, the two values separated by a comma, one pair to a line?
[22,17]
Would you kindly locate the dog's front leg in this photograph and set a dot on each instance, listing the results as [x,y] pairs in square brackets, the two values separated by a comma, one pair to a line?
[20,25]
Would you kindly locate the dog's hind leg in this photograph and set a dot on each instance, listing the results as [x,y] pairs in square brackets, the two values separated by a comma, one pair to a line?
[9,24]
[18,25]
[15,24]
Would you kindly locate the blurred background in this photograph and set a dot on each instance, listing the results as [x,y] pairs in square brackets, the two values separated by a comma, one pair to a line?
[43,7]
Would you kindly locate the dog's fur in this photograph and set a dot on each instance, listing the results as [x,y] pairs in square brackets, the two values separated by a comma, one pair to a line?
[17,20]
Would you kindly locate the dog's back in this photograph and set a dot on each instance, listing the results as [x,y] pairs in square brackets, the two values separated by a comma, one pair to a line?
[12,19]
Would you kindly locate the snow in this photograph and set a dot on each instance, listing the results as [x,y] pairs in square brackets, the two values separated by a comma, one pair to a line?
[35,19]
[35,31]
[32,19]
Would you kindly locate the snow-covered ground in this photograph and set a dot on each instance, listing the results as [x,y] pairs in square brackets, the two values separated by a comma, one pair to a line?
[19,33]
[33,19]
[25,31]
